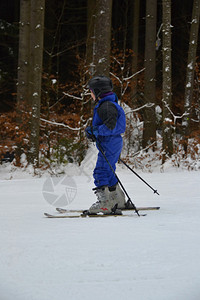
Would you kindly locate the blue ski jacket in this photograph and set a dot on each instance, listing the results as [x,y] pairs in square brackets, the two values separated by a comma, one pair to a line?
[109,117]
[110,122]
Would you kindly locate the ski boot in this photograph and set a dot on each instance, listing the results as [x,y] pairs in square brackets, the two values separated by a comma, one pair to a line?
[116,194]
[104,204]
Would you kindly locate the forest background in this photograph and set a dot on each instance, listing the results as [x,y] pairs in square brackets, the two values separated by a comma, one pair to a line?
[49,50]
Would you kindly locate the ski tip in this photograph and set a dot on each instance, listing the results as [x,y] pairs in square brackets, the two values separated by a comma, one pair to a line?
[47,215]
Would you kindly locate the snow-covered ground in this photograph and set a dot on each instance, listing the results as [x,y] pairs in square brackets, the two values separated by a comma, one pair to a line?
[156,257]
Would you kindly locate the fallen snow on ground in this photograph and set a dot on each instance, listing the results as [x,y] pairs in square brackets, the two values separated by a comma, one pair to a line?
[156,257]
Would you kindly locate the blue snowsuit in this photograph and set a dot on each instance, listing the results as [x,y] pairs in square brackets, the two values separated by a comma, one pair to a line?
[109,119]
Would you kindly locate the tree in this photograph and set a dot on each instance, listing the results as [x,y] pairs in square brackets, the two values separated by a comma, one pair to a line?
[24,52]
[167,80]
[103,37]
[23,99]
[30,60]
[136,13]
[90,43]
[149,130]
[36,61]
[189,85]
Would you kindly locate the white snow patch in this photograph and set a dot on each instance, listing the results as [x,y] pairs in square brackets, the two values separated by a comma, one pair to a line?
[168,120]
[190,66]
[158,109]
[188,85]
[101,60]
[153,257]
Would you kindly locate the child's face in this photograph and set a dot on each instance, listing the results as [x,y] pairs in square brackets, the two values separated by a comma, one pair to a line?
[93,95]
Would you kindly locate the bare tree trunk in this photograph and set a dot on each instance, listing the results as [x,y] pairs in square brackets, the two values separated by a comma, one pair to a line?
[149,131]
[37,33]
[24,52]
[136,14]
[23,71]
[90,44]
[103,37]
[189,86]
[167,81]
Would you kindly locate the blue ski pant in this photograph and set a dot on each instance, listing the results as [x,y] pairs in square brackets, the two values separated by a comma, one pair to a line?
[112,147]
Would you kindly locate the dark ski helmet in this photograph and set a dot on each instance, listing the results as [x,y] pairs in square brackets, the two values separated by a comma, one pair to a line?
[100,85]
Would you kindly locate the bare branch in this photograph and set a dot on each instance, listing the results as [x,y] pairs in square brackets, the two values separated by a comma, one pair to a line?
[66,126]
[56,102]
[124,91]
[72,96]
[77,98]
[139,108]
[133,75]
[116,77]
[173,115]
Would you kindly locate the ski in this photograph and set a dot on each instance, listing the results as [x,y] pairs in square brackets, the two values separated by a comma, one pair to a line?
[87,216]
[63,211]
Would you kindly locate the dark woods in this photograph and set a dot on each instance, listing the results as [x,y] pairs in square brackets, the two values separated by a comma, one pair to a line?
[50,49]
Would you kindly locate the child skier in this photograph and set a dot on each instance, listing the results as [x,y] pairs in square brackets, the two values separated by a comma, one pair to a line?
[107,126]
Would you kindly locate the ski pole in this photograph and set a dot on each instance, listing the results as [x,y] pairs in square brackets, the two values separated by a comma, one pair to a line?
[155,191]
[129,199]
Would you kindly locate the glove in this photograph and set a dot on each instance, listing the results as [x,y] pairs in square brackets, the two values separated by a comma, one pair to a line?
[92,133]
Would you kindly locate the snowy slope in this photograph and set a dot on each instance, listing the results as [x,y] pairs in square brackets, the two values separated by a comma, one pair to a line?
[156,257]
